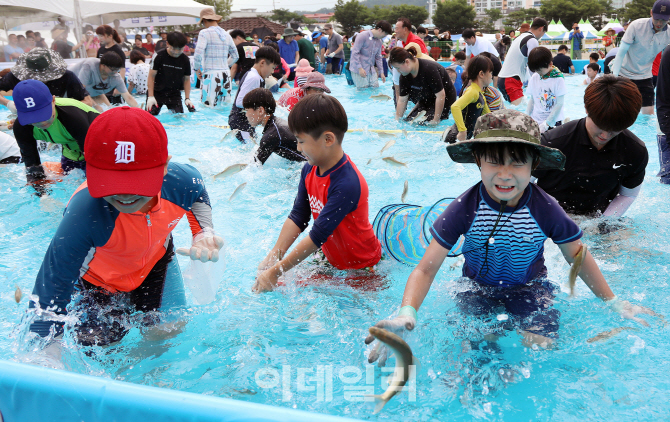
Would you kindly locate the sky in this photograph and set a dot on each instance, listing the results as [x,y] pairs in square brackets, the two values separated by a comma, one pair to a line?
[266,5]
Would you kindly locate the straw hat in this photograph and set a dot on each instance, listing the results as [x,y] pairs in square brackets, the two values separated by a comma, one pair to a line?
[507,126]
[419,54]
[209,14]
[41,64]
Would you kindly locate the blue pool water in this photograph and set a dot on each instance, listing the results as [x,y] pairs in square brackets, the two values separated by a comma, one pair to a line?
[302,346]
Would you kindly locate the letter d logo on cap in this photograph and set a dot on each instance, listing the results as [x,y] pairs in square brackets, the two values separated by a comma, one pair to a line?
[30,102]
[125,152]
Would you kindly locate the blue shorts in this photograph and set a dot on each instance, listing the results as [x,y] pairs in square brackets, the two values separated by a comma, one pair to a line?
[528,305]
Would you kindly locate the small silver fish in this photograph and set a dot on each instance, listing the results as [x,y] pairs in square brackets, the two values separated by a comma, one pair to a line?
[230,170]
[18,294]
[392,161]
[193,160]
[404,361]
[421,117]
[404,133]
[380,97]
[383,134]
[369,161]
[576,267]
[237,190]
[404,192]
[388,145]
[230,135]
[609,334]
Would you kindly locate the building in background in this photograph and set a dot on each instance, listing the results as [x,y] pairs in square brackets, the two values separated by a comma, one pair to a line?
[320,17]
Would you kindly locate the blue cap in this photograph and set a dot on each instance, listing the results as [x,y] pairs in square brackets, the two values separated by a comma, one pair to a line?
[661,10]
[33,101]
[316,34]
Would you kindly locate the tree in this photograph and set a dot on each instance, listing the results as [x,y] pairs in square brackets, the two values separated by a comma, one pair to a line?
[284,16]
[493,14]
[221,7]
[454,16]
[417,15]
[571,11]
[515,19]
[638,9]
[351,15]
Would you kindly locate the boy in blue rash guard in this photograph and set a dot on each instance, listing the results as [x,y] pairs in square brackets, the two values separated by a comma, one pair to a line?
[505,221]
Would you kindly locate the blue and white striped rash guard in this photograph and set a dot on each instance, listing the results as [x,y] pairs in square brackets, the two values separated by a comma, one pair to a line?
[517,254]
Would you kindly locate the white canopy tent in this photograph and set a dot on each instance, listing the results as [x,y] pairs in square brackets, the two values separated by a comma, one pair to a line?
[105,11]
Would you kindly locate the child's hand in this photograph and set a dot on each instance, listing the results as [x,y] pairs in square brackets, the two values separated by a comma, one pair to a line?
[273,257]
[629,311]
[266,282]
[205,247]
[462,136]
[398,325]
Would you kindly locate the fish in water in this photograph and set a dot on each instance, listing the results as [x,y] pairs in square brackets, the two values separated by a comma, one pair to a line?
[405,133]
[404,363]
[392,161]
[230,135]
[237,190]
[369,161]
[193,160]
[380,97]
[230,170]
[609,334]
[18,294]
[421,117]
[383,134]
[388,145]
[404,192]
[576,267]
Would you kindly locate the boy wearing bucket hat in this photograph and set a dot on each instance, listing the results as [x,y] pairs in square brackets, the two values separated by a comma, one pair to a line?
[115,236]
[42,116]
[44,65]
[314,84]
[505,221]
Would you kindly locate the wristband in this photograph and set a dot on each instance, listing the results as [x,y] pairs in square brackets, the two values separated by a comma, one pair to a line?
[408,310]
[613,301]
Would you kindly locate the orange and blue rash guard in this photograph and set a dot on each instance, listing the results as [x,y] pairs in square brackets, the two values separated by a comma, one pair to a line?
[338,201]
[114,250]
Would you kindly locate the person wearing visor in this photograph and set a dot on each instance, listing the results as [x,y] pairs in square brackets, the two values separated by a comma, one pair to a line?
[42,116]
[100,76]
[46,66]
[505,221]
[115,238]
[643,40]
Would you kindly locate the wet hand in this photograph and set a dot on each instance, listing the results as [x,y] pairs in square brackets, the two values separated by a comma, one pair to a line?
[398,325]
[462,136]
[11,106]
[630,311]
[204,250]
[266,282]
[383,79]
[189,103]
[151,101]
[362,73]
[198,74]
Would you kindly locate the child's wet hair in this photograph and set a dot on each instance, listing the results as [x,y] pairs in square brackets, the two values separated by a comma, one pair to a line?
[613,103]
[478,64]
[260,97]
[498,151]
[539,58]
[316,114]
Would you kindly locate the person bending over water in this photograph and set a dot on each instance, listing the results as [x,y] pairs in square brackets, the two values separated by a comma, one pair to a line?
[425,83]
[506,267]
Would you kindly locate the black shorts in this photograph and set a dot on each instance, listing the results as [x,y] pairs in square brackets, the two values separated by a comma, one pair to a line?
[646,88]
[107,317]
[172,100]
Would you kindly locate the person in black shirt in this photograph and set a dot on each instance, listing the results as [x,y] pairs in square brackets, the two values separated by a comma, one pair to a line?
[562,61]
[46,66]
[259,106]
[423,82]
[247,52]
[138,47]
[170,73]
[160,44]
[606,162]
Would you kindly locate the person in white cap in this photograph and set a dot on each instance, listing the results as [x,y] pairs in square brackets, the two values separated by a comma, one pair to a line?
[214,53]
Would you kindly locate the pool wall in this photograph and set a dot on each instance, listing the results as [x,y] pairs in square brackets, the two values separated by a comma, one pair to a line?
[31,393]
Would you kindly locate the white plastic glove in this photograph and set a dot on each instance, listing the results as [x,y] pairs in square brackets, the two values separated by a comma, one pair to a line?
[331,55]
[189,103]
[11,106]
[543,127]
[405,321]
[629,311]
[151,101]
[205,247]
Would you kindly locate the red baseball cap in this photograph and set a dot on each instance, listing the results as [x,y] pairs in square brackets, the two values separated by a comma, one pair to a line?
[126,152]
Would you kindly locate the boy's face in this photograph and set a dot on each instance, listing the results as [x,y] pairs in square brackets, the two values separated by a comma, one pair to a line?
[598,137]
[265,68]
[128,203]
[174,51]
[590,73]
[315,150]
[505,181]
[255,116]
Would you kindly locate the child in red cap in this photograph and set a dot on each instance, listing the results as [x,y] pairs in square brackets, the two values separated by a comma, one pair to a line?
[115,237]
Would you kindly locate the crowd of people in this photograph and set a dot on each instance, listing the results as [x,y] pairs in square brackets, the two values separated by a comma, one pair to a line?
[536,167]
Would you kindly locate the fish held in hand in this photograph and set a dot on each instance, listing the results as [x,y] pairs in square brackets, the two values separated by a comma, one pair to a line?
[404,192]
[392,161]
[230,170]
[380,97]
[237,191]
[388,145]
[404,365]
[421,117]
[576,267]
